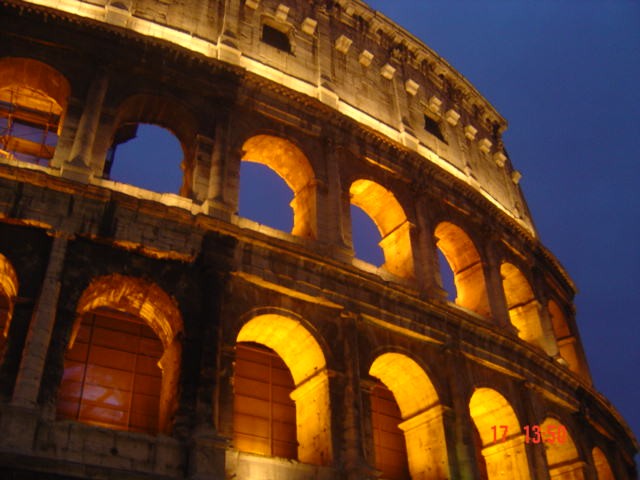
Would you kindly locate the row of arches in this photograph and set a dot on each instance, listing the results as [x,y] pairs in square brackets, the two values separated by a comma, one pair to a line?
[392,216]
[406,414]
[122,367]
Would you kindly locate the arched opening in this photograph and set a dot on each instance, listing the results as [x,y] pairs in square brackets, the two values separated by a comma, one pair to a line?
[601,464]
[33,101]
[421,414]
[304,359]
[122,365]
[562,456]
[8,292]
[567,343]
[147,156]
[389,446]
[365,237]
[522,305]
[290,164]
[389,217]
[265,197]
[111,374]
[465,263]
[152,145]
[264,415]
[501,438]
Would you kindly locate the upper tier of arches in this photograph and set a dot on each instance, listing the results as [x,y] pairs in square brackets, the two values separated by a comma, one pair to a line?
[324,181]
[405,89]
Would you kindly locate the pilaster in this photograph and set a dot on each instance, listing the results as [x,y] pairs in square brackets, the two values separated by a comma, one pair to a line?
[37,343]
[495,289]
[78,166]
[425,254]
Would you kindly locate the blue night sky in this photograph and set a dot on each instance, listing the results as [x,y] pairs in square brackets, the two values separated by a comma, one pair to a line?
[566,76]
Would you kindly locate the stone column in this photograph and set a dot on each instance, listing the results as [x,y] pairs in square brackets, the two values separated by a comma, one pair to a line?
[223,175]
[458,424]
[495,289]
[533,415]
[36,346]
[315,442]
[228,39]
[79,165]
[425,253]
[202,156]
[213,408]
[548,342]
[326,88]
[356,410]
[426,444]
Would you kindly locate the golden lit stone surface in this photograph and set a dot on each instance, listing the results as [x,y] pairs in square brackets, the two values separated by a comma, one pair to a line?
[466,265]
[136,297]
[505,459]
[8,290]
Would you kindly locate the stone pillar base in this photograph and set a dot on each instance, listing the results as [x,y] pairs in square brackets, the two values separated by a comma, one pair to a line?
[207,457]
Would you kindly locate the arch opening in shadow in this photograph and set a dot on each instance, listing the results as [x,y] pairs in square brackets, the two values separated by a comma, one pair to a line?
[304,358]
[112,376]
[289,162]
[388,439]
[265,197]
[147,156]
[601,464]
[123,361]
[33,102]
[264,415]
[420,411]
[391,221]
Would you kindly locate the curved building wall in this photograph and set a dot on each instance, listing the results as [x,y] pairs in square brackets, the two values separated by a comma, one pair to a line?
[484,383]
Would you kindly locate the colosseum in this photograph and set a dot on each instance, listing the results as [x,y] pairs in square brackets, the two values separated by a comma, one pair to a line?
[161,335]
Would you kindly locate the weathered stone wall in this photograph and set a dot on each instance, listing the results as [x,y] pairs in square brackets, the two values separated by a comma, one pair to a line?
[353,60]
[64,225]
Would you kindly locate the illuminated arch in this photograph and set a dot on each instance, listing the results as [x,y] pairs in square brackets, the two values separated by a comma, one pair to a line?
[421,413]
[505,459]
[164,112]
[389,216]
[34,98]
[601,464]
[291,164]
[567,343]
[304,357]
[562,456]
[137,297]
[465,262]
[8,293]
[522,305]
[120,298]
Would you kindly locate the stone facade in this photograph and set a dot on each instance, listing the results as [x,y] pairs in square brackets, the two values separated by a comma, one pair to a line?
[348,109]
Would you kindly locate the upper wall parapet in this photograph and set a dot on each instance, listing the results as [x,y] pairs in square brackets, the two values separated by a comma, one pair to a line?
[349,57]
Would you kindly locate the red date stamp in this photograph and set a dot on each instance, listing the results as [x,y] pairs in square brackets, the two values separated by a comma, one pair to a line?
[549,433]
